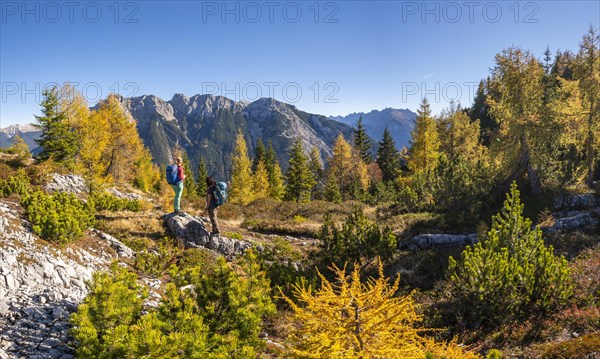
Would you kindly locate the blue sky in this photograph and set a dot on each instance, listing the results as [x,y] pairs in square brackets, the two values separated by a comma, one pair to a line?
[326,57]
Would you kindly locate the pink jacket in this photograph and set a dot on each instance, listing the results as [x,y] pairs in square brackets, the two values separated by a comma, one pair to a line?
[180,173]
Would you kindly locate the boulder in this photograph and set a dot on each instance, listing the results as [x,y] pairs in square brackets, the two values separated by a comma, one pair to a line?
[127,195]
[191,232]
[423,241]
[66,183]
[576,201]
[121,249]
[575,221]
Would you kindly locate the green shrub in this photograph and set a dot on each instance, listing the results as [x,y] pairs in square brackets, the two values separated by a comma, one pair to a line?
[584,346]
[494,354]
[359,241]
[510,272]
[60,217]
[16,184]
[196,257]
[234,235]
[155,262]
[107,202]
[110,324]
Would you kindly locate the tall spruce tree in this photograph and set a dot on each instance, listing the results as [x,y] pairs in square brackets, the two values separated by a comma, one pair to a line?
[361,142]
[58,140]
[260,154]
[300,179]
[480,111]
[388,158]
[201,187]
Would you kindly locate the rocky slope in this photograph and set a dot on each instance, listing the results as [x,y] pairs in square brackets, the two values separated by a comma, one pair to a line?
[40,285]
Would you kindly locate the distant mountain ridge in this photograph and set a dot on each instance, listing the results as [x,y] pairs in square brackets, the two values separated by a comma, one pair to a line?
[28,132]
[399,122]
[206,126]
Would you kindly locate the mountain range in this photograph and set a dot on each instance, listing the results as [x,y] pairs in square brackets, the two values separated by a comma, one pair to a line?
[206,126]
[28,132]
[399,122]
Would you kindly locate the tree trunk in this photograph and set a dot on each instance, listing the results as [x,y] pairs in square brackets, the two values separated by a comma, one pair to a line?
[534,179]
[589,180]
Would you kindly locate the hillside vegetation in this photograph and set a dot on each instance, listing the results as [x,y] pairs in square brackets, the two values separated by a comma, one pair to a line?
[332,270]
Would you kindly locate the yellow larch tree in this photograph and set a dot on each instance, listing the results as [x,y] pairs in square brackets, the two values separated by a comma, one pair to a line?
[346,168]
[351,319]
[260,180]
[241,177]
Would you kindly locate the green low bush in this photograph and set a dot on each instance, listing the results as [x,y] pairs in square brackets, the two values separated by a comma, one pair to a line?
[218,316]
[157,261]
[107,202]
[60,217]
[359,241]
[16,184]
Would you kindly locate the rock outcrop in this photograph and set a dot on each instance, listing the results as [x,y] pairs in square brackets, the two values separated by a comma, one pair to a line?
[41,284]
[424,241]
[576,201]
[573,220]
[191,232]
[575,212]
[66,183]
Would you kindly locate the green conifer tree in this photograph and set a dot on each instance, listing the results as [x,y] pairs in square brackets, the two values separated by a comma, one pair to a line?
[300,179]
[260,154]
[362,143]
[58,140]
[388,157]
[201,179]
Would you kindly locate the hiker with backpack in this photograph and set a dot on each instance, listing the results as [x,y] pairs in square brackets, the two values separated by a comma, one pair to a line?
[216,195]
[175,178]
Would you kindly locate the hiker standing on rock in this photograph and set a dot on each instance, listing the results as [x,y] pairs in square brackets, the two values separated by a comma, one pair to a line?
[175,178]
[212,203]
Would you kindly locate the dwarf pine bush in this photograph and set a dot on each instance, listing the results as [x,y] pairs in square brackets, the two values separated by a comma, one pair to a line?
[110,322]
[106,201]
[510,272]
[17,184]
[218,316]
[359,240]
[60,217]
